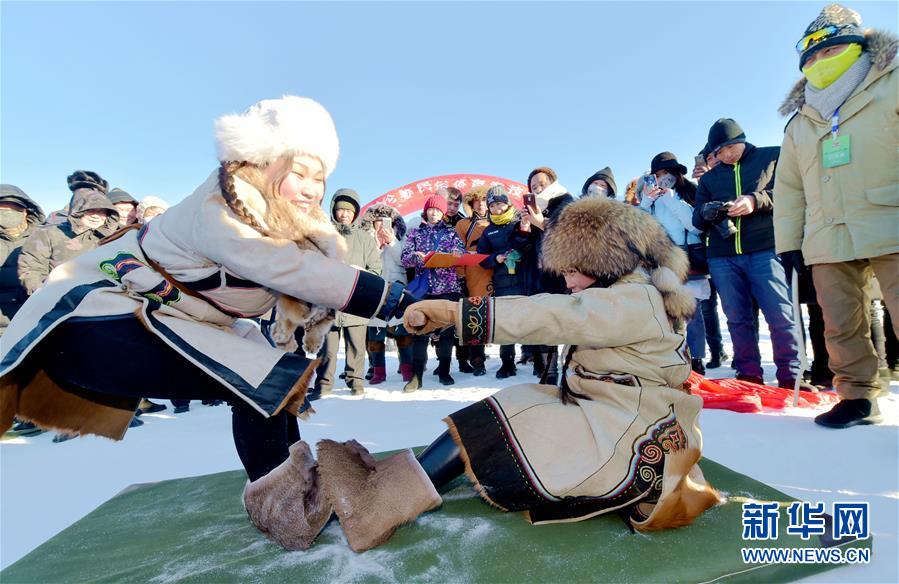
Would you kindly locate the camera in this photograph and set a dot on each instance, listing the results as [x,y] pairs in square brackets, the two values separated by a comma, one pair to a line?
[715,212]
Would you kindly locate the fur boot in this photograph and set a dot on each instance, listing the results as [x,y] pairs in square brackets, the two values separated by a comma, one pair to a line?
[287,504]
[373,497]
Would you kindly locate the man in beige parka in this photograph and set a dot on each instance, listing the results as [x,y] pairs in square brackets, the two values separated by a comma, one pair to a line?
[837,189]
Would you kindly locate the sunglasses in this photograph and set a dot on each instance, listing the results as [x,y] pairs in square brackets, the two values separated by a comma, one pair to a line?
[815,38]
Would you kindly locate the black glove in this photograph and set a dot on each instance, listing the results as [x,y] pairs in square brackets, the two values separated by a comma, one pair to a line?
[711,211]
[793,260]
[398,299]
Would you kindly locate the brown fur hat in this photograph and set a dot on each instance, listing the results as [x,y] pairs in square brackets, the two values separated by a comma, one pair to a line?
[608,239]
[474,194]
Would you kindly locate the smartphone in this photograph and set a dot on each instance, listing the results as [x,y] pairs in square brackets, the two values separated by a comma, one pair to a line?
[649,182]
[530,200]
[699,160]
[387,223]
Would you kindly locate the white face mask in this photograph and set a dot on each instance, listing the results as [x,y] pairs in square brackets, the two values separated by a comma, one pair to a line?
[667,181]
[596,190]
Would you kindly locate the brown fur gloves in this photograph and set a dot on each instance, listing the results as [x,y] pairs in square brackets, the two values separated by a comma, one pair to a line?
[429,315]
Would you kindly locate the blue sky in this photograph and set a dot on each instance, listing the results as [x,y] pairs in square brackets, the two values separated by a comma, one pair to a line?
[416,89]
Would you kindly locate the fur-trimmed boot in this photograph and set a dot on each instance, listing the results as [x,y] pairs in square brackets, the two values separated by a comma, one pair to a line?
[288,504]
[373,497]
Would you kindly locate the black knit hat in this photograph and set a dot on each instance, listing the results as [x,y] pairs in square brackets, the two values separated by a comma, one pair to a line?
[117,195]
[86,179]
[497,194]
[724,132]
[666,161]
[846,28]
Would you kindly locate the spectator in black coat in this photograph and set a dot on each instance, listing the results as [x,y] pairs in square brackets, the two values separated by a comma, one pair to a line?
[507,247]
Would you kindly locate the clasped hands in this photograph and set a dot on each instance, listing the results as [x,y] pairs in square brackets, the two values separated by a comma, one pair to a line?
[430,315]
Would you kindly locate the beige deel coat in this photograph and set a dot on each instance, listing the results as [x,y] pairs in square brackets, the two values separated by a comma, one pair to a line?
[199,239]
[630,363]
[849,212]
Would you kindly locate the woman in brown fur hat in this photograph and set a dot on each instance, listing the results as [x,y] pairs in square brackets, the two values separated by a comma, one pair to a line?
[619,433]
[175,293]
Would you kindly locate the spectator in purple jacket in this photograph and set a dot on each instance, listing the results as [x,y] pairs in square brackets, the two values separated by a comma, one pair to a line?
[442,283]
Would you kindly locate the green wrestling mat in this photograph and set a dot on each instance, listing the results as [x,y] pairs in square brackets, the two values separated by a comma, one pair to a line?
[195,530]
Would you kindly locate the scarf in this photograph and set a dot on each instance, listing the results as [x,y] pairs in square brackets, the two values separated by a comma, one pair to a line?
[826,101]
[550,192]
[504,218]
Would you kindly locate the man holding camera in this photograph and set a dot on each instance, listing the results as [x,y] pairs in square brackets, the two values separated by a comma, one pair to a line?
[734,206]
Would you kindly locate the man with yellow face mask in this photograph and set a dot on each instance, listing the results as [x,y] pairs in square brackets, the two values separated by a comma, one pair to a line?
[837,189]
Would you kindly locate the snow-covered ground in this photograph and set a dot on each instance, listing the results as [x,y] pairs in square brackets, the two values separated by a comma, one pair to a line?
[45,487]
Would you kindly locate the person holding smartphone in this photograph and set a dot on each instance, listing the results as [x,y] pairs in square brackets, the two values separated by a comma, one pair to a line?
[668,196]
[388,228]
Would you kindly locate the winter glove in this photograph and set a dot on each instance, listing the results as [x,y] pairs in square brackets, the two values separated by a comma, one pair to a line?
[512,259]
[398,299]
[793,260]
[712,211]
[429,315]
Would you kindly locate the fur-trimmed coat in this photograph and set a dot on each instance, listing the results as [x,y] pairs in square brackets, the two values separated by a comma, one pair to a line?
[626,367]
[847,212]
[233,271]
[478,279]
[392,268]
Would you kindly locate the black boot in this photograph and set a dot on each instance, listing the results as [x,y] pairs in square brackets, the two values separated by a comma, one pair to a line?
[717,360]
[148,407]
[539,359]
[443,373]
[851,412]
[418,371]
[507,369]
[477,364]
[369,374]
[697,366]
[465,367]
[442,461]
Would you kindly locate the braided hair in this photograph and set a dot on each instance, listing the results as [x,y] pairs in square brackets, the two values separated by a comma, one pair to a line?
[281,217]
[226,183]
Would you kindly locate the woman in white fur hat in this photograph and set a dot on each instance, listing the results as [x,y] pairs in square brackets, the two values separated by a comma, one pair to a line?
[177,292]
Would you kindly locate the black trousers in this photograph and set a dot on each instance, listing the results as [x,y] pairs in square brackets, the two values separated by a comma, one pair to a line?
[121,357]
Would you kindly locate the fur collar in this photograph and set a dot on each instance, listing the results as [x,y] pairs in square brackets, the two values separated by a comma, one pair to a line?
[380,211]
[881,45]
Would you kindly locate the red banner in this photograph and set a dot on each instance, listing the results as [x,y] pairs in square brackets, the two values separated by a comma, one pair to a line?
[410,198]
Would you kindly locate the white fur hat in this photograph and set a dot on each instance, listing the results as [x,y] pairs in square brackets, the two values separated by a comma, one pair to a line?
[150,202]
[274,127]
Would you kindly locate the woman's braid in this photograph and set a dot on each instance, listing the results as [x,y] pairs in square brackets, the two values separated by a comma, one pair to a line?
[226,183]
